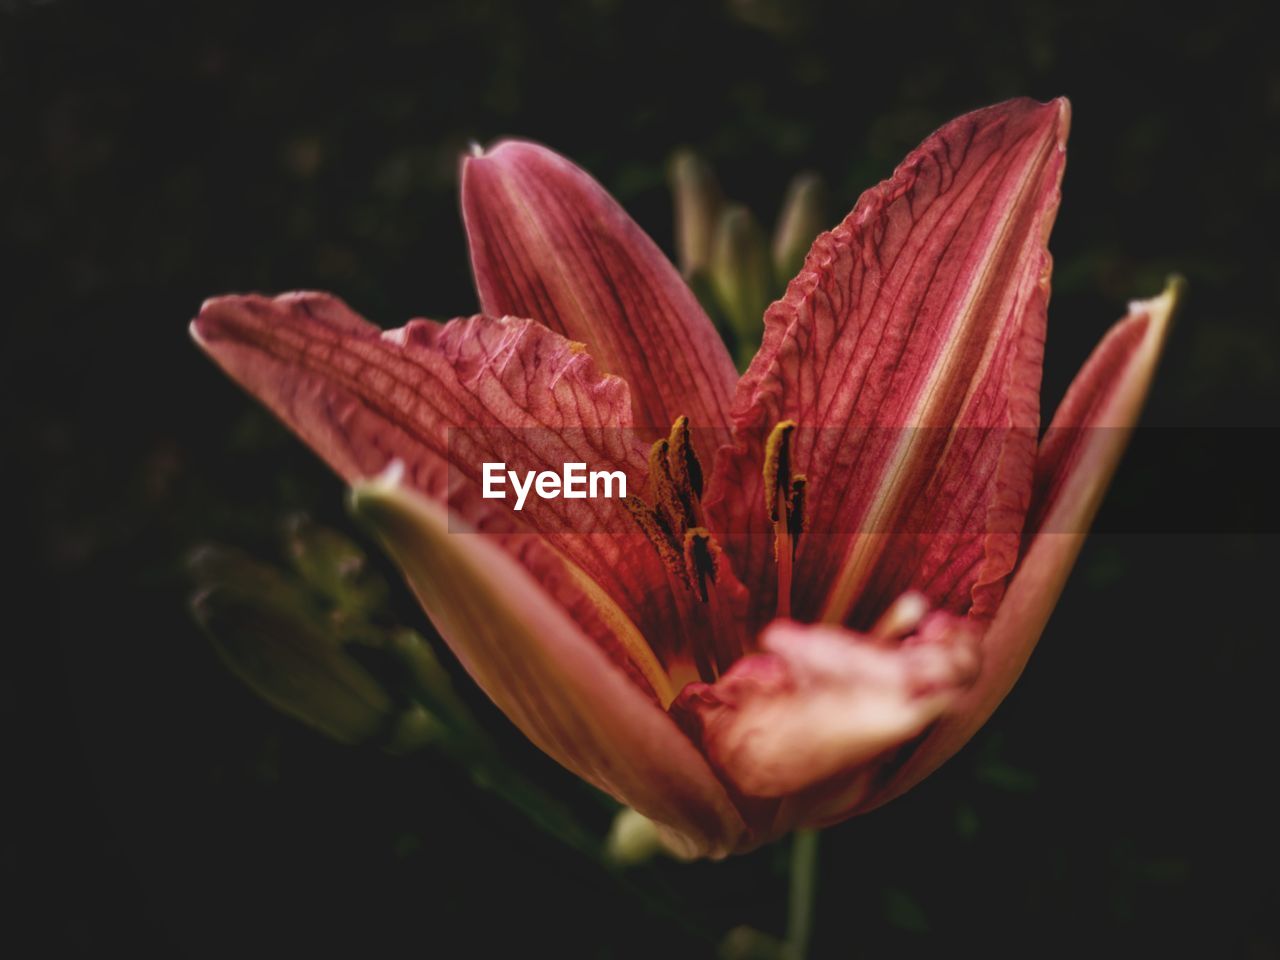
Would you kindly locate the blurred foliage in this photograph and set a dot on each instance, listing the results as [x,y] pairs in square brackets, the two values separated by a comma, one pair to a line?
[314,642]
[155,154]
[735,270]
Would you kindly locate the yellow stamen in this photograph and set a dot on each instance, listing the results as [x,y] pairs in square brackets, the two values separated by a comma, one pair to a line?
[686,469]
[654,527]
[777,465]
[663,492]
[784,500]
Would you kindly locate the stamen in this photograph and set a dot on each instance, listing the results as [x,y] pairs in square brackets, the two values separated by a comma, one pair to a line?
[784,552]
[655,528]
[699,561]
[710,634]
[777,465]
[686,469]
[784,500]
[795,505]
[662,490]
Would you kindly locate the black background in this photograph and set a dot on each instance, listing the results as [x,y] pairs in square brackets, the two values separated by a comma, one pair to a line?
[155,154]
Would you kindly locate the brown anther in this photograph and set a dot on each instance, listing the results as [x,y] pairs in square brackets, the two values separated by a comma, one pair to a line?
[657,532]
[701,559]
[784,496]
[663,492]
[686,469]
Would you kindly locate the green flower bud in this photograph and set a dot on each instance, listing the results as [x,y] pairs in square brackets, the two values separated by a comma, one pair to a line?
[287,636]
[633,839]
[742,277]
[803,217]
[334,567]
[697,206]
[262,629]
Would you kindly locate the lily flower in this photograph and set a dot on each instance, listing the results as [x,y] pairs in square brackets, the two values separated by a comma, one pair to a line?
[827,572]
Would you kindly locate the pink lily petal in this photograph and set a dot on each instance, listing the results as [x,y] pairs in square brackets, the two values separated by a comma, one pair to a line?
[548,242]
[1078,457]
[502,391]
[546,676]
[908,353]
[822,700]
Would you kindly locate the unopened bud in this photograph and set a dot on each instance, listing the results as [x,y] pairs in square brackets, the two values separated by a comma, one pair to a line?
[429,681]
[335,567]
[803,217]
[742,276]
[270,643]
[413,729]
[697,206]
[286,635]
[633,839]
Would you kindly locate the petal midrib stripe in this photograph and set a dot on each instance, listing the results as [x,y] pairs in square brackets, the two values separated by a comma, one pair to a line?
[856,568]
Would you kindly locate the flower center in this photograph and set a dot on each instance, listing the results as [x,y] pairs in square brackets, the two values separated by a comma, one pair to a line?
[671,518]
[674,504]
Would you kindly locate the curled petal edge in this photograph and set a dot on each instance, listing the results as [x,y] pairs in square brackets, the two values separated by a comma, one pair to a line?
[548,242]
[822,700]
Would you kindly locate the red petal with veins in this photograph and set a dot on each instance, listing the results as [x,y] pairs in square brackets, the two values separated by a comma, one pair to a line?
[503,391]
[1079,455]
[548,242]
[908,352]
[544,674]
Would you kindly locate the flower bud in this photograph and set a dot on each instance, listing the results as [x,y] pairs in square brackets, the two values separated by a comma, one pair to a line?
[803,217]
[429,682]
[742,276]
[302,640]
[697,205]
[263,631]
[633,839]
[334,567]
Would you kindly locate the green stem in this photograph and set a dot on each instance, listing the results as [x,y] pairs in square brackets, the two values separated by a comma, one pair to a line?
[804,885]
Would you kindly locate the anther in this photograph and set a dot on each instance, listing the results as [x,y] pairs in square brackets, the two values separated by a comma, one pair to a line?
[784,500]
[673,524]
[701,557]
[660,535]
[662,489]
[777,466]
[686,469]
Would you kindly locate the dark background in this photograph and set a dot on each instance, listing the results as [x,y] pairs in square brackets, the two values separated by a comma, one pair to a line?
[154,154]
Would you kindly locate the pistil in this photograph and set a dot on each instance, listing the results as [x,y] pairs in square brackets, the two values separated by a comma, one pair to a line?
[902,617]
